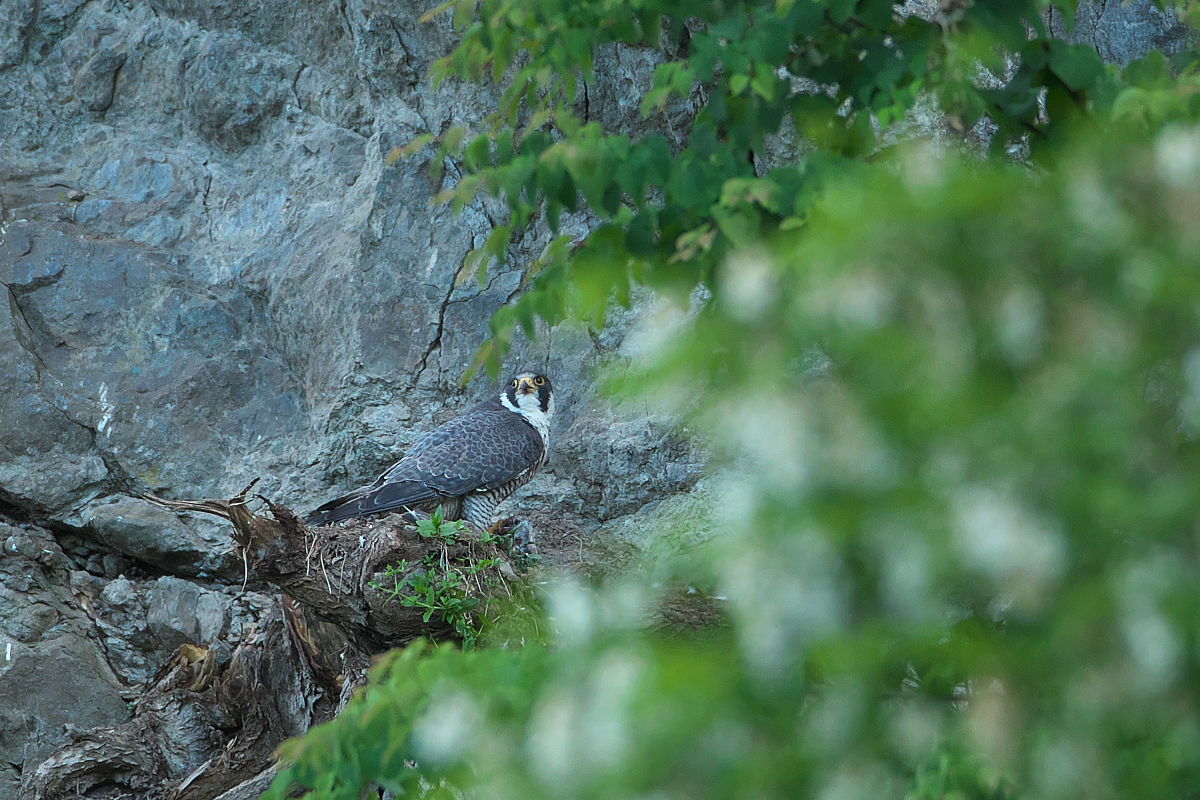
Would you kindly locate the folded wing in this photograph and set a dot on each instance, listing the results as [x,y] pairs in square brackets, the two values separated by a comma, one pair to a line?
[479,451]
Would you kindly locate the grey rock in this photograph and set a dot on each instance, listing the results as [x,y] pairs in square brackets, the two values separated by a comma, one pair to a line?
[114,565]
[314,33]
[72,643]
[10,780]
[119,593]
[46,459]
[180,612]
[95,83]
[143,621]
[662,531]
[153,535]
[1122,32]
[52,672]
[95,331]
[616,102]
[49,687]
[16,18]
[23,544]
[36,599]
[619,463]
[85,586]
[232,88]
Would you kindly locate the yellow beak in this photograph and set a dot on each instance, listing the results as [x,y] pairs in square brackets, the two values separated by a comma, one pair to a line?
[526,385]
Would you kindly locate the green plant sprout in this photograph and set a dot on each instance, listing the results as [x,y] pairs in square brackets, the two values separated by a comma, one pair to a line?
[438,527]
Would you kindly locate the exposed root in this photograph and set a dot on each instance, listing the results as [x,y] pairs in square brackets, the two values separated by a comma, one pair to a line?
[235,704]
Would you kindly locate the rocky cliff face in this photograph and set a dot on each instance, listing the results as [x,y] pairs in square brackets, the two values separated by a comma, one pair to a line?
[210,275]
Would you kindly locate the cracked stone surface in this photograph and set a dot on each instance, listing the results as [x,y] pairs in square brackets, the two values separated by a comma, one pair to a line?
[76,640]
[210,275]
[1123,31]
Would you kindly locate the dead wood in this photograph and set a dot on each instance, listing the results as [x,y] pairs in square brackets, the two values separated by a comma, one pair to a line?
[338,571]
[211,719]
[208,724]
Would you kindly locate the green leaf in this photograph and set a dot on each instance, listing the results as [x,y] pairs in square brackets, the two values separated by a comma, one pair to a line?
[704,56]
[514,178]
[732,25]
[610,202]
[801,16]
[841,10]
[418,144]
[453,137]
[478,153]
[464,13]
[877,14]
[1150,71]
[473,263]
[437,10]
[535,143]
[641,237]
[1066,13]
[504,146]
[767,85]
[1078,66]
[740,226]
[497,243]
[651,22]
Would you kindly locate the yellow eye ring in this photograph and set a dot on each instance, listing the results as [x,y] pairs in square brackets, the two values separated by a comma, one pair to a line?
[514,383]
[539,380]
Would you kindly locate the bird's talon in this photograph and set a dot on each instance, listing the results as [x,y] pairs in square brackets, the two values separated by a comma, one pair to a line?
[502,527]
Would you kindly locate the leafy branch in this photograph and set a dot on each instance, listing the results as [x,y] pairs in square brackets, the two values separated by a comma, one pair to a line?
[838,73]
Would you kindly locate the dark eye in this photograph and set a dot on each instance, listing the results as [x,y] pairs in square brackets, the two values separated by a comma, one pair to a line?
[539,380]
[514,383]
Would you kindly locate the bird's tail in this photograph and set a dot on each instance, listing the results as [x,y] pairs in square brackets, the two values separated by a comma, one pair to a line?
[377,498]
[337,509]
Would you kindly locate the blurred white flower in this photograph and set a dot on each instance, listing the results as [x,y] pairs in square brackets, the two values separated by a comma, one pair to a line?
[748,283]
[1020,324]
[1009,542]
[782,595]
[448,729]
[1154,644]
[582,730]
[770,434]
[1178,155]
[571,608]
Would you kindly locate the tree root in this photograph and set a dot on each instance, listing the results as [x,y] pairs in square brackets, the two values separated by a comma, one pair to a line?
[210,720]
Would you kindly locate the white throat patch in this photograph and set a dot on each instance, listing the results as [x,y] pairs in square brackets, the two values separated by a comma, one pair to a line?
[530,408]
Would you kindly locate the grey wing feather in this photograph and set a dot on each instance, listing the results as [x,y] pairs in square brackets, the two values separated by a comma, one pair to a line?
[479,451]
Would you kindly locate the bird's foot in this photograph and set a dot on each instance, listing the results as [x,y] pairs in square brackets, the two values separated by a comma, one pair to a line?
[520,535]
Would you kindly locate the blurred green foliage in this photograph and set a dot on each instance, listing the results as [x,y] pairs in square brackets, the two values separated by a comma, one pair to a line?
[734,76]
[954,406]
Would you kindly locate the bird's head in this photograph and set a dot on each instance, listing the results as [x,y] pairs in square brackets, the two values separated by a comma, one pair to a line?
[529,394]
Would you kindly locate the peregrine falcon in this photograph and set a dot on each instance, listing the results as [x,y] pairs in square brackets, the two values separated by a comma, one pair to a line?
[467,466]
